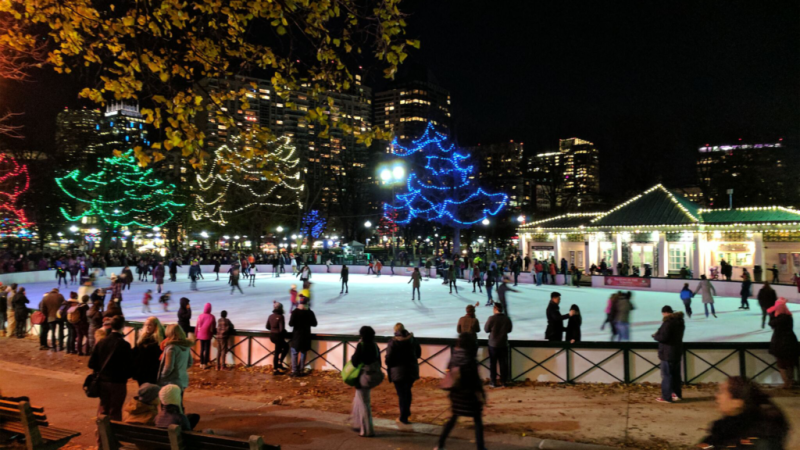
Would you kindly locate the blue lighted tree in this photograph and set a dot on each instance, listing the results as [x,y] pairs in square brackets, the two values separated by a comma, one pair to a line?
[441,186]
[313,225]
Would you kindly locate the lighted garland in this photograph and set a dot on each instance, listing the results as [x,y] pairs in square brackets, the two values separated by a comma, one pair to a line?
[232,171]
[313,225]
[14,181]
[120,194]
[444,190]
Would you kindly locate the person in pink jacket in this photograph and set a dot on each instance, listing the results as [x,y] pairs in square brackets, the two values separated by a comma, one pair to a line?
[205,329]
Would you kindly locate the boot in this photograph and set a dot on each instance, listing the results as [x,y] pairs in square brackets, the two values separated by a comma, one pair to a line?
[787,380]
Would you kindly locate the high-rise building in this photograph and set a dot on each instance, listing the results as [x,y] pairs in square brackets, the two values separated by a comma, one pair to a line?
[77,137]
[501,170]
[406,108]
[567,179]
[121,127]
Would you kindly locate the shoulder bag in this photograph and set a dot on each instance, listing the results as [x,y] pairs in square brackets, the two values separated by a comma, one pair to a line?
[91,385]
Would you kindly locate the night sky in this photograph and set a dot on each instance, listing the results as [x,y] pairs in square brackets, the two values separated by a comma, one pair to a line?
[646,81]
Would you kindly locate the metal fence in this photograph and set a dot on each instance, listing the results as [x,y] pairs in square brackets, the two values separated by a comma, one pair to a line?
[584,362]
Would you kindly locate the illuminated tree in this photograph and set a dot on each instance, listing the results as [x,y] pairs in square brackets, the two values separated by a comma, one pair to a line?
[441,187]
[387,225]
[14,181]
[160,51]
[313,226]
[120,193]
[232,187]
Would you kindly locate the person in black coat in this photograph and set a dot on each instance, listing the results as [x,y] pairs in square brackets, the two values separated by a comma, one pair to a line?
[185,315]
[670,350]
[574,325]
[276,324]
[345,276]
[555,320]
[784,346]
[467,397]
[766,300]
[147,353]
[402,355]
[301,321]
[112,375]
[20,302]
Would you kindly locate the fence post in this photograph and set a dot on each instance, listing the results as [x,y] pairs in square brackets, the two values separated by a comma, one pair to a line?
[742,364]
[626,361]
[568,366]
[249,350]
[685,368]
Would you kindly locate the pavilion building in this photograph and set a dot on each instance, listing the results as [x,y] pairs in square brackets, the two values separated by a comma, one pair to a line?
[668,232]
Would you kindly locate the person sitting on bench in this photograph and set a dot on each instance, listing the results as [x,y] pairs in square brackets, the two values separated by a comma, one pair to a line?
[171,412]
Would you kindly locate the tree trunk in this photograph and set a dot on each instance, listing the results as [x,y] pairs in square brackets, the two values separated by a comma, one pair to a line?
[456,241]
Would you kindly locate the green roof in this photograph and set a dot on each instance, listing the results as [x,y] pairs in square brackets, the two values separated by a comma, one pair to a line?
[750,215]
[656,206]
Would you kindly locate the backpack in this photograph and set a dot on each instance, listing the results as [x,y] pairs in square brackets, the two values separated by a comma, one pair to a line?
[74,314]
[62,311]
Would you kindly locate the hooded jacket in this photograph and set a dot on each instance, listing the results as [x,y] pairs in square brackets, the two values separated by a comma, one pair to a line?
[185,315]
[402,354]
[783,344]
[767,297]
[301,322]
[465,400]
[175,363]
[670,337]
[206,325]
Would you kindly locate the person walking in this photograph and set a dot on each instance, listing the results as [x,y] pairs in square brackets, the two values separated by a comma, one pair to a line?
[467,396]
[686,298]
[301,321]
[368,354]
[766,300]
[204,330]
[416,279]
[158,275]
[225,330]
[20,302]
[185,315]
[469,324]
[498,326]
[147,353]
[502,288]
[670,349]
[177,358]
[111,361]
[573,333]
[708,292]
[784,346]
[276,324]
[344,276]
[402,367]
[555,320]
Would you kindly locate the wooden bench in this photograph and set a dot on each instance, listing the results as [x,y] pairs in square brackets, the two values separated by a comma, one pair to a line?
[119,435]
[19,418]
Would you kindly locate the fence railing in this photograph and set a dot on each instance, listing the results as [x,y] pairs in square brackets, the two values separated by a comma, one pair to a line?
[584,362]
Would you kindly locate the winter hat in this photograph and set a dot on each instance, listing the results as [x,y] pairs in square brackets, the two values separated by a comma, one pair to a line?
[73,295]
[667,309]
[171,395]
[148,392]
[779,308]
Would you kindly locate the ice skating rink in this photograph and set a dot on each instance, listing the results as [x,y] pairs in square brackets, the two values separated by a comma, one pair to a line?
[382,302]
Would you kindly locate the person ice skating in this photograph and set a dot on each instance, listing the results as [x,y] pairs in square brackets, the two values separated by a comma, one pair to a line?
[158,275]
[293,298]
[391,266]
[469,324]
[775,273]
[204,330]
[467,396]
[402,367]
[370,267]
[670,349]
[416,279]
[225,330]
[276,324]
[301,320]
[61,274]
[686,298]
[235,281]
[573,332]
[344,276]
[750,419]
[217,265]
[305,274]
[708,293]
[502,288]
[164,300]
[766,300]
[476,280]
[451,276]
[368,354]
[489,285]
[784,346]
[253,270]
[378,267]
[498,326]
[146,299]
[621,311]
[194,274]
[609,317]
[745,292]
[555,320]
[173,270]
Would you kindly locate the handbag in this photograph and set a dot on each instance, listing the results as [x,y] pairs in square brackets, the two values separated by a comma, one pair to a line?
[38,318]
[91,385]
[451,380]
[350,373]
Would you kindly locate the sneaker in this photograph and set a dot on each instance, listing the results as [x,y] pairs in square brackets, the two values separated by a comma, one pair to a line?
[661,400]
[675,398]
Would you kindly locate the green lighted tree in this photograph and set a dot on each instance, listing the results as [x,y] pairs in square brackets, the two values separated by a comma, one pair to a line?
[120,194]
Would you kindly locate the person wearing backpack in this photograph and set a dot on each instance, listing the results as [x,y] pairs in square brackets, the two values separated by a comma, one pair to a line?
[70,314]
[225,330]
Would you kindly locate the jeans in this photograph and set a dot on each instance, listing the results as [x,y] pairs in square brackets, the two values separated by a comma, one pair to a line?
[498,354]
[538,278]
[52,328]
[670,380]
[453,285]
[222,351]
[298,361]
[403,389]
[745,303]
[688,305]
[516,278]
[205,351]
[71,338]
[281,349]
[448,427]
[413,290]
[476,283]
[345,288]
[706,305]
[623,331]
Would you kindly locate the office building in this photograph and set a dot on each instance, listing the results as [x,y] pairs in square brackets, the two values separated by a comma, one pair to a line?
[567,179]
[121,127]
[77,137]
[406,108]
[501,170]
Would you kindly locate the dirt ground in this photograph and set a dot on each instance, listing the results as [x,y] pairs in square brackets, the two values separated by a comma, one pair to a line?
[607,414]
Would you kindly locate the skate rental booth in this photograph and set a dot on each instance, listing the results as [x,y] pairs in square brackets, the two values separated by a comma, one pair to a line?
[668,232]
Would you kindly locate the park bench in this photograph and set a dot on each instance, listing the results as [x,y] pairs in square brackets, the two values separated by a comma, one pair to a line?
[18,418]
[114,434]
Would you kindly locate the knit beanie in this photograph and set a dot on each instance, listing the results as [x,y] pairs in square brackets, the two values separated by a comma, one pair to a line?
[148,392]
[171,395]
[667,309]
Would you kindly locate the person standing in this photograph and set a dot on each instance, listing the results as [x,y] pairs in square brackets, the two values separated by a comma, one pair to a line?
[158,275]
[8,297]
[574,325]
[416,278]
[378,267]
[225,331]
[670,350]
[766,300]
[176,360]
[467,397]
[51,303]
[368,354]
[95,318]
[539,268]
[621,311]
[564,270]
[185,315]
[345,277]
[708,293]
[451,278]
[469,324]
[555,320]
[147,353]
[498,326]
[686,298]
[82,327]
[204,330]
[71,320]
[745,291]
[784,346]
[111,362]
[20,302]
[217,265]
[301,321]
[402,366]
[276,324]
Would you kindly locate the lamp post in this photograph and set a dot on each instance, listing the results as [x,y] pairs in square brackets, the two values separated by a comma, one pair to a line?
[393,174]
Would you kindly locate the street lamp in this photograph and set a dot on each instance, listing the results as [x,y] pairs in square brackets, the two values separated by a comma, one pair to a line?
[204,234]
[368,224]
[521,218]
[73,228]
[280,229]
[485,221]
[156,228]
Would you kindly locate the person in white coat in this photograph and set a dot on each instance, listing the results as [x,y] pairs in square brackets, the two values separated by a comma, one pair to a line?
[707,290]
